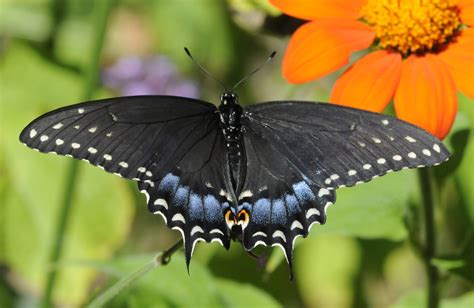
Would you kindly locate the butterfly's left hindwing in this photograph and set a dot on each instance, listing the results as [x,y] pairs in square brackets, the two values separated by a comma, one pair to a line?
[188,196]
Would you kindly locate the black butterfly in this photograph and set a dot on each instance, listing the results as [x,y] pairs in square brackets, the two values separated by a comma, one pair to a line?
[262,175]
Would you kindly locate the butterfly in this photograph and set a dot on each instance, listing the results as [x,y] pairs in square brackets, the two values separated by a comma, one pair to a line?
[261,174]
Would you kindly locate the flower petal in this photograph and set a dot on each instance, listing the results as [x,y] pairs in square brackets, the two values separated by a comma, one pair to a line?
[467,14]
[320,47]
[316,9]
[426,95]
[459,58]
[370,83]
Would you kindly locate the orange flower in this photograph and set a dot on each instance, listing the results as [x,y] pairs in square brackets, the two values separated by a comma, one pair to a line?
[423,52]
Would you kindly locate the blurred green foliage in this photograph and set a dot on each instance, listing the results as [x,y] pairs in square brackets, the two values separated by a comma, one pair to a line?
[367,254]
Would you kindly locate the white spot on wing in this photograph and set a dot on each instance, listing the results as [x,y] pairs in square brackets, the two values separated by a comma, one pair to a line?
[323,192]
[381,161]
[259,233]
[385,122]
[296,225]
[161,202]
[141,169]
[109,134]
[178,217]
[352,172]
[92,150]
[80,110]
[334,176]
[107,157]
[367,166]
[196,229]
[123,164]
[216,231]
[311,212]
[436,148]
[33,133]
[75,145]
[412,155]
[77,126]
[279,234]
[426,152]
[44,138]
[149,174]
[327,181]
[410,139]
[59,141]
[397,157]
[92,129]
[58,126]
[245,194]
[376,140]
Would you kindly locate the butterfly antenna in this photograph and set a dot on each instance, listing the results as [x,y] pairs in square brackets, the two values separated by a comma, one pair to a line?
[254,71]
[204,70]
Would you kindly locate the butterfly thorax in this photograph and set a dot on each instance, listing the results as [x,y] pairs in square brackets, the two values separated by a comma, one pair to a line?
[230,113]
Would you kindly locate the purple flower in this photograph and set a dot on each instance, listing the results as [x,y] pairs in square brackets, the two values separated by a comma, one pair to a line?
[147,76]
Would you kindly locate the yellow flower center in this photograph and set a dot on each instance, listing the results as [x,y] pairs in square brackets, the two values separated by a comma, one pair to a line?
[410,26]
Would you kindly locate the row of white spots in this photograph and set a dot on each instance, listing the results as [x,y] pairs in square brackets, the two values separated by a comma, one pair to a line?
[382,161]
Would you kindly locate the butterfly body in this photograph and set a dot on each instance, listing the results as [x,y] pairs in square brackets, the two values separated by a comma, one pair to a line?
[262,175]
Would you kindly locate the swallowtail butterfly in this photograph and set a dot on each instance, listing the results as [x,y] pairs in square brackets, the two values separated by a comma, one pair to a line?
[261,174]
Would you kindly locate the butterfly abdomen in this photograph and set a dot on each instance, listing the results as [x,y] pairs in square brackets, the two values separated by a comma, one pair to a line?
[231,127]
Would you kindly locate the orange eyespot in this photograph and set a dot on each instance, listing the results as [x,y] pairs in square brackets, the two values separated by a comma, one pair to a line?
[230,218]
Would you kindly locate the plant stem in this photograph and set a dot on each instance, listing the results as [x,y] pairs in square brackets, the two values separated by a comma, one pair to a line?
[426,184]
[161,259]
[101,18]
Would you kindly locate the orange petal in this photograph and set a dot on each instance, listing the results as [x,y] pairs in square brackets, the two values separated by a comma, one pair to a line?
[467,14]
[320,47]
[316,9]
[426,95]
[459,58]
[463,3]
[370,83]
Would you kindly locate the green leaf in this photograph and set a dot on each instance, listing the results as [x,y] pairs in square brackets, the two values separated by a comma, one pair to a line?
[103,207]
[372,210]
[418,299]
[325,267]
[248,295]
[170,285]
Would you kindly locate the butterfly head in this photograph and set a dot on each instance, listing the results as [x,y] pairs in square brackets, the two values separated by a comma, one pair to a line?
[229,98]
